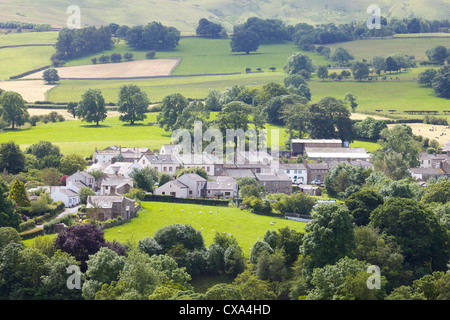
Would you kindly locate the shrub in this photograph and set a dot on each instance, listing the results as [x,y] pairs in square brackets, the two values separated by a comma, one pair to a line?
[151,54]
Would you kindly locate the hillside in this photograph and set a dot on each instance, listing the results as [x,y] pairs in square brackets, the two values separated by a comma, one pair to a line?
[184,14]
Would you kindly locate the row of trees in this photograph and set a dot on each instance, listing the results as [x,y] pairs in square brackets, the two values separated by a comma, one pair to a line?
[439,80]
[73,43]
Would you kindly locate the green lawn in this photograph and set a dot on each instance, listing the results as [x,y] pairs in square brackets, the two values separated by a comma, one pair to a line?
[246,227]
[75,136]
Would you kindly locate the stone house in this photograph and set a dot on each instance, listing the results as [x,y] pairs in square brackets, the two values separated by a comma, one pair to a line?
[110,207]
[317,172]
[275,182]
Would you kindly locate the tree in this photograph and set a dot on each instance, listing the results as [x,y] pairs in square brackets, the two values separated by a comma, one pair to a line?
[81,241]
[244,41]
[207,28]
[438,192]
[12,159]
[399,139]
[362,203]
[72,163]
[257,249]
[299,203]
[437,54]
[426,77]
[176,234]
[341,177]
[223,291]
[379,64]
[145,178]
[233,260]
[50,76]
[71,108]
[13,108]
[252,288]
[19,194]
[391,65]
[322,72]
[329,236]
[128,56]
[298,62]
[235,115]
[133,103]
[92,106]
[197,170]
[327,116]
[360,70]
[102,267]
[441,82]
[423,241]
[84,193]
[342,56]
[269,91]
[46,153]
[171,108]
[351,100]
[8,215]
[154,35]
[296,117]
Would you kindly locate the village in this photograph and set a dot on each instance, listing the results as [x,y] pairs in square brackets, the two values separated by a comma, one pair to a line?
[117,164]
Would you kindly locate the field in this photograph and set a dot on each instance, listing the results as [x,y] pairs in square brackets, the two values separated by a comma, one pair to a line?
[82,138]
[128,69]
[367,49]
[439,133]
[246,227]
[30,90]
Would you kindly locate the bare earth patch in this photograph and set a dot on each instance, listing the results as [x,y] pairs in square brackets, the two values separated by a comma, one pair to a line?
[30,90]
[129,69]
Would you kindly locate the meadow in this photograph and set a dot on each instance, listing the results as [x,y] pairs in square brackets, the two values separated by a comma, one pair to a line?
[367,49]
[245,226]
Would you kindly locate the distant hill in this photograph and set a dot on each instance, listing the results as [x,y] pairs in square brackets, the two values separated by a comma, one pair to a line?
[184,14]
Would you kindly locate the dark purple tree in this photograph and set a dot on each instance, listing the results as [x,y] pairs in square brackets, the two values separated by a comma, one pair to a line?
[80,241]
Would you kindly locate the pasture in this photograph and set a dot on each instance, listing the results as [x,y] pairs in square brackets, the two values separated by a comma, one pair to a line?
[367,49]
[245,226]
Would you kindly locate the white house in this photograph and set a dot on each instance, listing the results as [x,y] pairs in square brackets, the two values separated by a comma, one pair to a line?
[69,197]
[170,149]
[173,188]
[112,152]
[189,185]
[161,163]
[330,154]
[295,171]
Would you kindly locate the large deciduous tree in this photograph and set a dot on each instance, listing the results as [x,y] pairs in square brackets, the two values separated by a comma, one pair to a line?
[92,107]
[171,108]
[244,41]
[12,158]
[329,236]
[13,108]
[133,104]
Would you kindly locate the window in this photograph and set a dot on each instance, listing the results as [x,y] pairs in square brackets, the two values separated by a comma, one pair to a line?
[190,191]
[227,193]
[288,171]
[170,168]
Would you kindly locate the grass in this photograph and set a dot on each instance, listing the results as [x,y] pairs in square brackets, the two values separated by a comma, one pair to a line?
[18,60]
[246,227]
[370,146]
[82,138]
[191,87]
[388,95]
[14,39]
[367,49]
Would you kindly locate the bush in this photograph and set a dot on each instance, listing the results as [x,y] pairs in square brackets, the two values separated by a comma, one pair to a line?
[30,224]
[151,54]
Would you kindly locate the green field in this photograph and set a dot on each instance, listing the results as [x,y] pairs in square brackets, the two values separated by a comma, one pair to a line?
[200,56]
[15,61]
[367,49]
[80,137]
[246,227]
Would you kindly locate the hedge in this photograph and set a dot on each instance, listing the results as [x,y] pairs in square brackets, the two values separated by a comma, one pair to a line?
[30,224]
[169,198]
[28,72]
[66,219]
[32,233]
